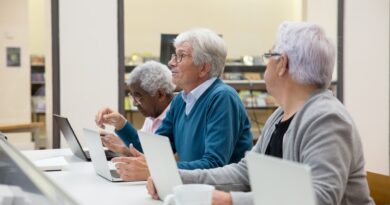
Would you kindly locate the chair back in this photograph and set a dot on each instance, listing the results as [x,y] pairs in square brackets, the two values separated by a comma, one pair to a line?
[379,188]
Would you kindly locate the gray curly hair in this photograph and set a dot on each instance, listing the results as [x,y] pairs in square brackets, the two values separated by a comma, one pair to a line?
[152,76]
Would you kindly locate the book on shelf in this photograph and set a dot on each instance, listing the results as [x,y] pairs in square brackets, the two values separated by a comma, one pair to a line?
[37,77]
[256,99]
[37,60]
[38,104]
[241,76]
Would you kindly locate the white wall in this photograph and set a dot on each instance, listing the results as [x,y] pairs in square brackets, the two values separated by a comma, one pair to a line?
[47,50]
[15,100]
[88,59]
[366,71]
[14,81]
[248,26]
[324,13]
[37,19]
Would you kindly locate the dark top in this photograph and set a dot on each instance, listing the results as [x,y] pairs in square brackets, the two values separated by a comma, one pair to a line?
[275,146]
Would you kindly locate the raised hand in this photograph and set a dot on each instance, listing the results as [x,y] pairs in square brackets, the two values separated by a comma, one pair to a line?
[107,116]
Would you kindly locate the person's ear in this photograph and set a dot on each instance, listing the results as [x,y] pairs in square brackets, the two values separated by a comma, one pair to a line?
[283,65]
[205,70]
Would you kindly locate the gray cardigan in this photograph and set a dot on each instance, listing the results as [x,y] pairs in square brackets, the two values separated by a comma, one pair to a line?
[322,135]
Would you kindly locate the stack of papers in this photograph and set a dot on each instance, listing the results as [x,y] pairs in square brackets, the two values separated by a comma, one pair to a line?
[51,164]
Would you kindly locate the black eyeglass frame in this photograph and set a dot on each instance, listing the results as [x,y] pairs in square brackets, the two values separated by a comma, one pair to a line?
[178,57]
[268,55]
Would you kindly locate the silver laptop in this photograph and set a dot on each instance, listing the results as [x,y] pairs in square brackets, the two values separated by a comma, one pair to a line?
[277,181]
[98,157]
[74,143]
[161,162]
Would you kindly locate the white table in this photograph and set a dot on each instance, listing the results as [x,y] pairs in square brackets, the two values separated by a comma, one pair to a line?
[81,182]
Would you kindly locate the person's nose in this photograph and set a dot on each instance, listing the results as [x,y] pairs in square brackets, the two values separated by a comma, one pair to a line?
[172,63]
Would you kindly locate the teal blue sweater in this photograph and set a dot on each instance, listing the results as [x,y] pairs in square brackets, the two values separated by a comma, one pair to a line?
[216,132]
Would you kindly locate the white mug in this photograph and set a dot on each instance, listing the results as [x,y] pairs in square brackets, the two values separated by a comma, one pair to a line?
[190,194]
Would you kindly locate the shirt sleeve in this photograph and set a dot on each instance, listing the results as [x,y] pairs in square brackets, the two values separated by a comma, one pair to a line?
[129,135]
[231,178]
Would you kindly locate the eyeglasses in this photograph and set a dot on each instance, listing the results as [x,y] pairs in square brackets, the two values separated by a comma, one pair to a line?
[267,56]
[137,98]
[178,57]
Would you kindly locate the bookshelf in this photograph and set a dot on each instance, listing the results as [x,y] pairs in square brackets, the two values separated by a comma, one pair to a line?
[38,102]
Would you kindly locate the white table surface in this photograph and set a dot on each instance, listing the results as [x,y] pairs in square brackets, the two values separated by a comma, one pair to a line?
[81,182]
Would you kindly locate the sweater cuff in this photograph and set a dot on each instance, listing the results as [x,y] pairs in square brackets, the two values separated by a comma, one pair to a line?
[128,134]
[242,198]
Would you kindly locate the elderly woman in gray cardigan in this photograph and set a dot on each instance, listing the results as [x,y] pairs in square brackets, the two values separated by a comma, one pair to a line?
[310,127]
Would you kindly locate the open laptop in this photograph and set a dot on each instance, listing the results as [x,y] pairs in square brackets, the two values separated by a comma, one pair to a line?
[161,162]
[98,158]
[74,143]
[278,181]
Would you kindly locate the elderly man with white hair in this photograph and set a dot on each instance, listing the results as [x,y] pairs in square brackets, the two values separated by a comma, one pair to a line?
[310,127]
[150,85]
[207,124]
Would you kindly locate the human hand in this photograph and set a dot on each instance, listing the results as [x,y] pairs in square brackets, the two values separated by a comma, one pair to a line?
[132,168]
[109,117]
[114,143]
[221,198]
[152,189]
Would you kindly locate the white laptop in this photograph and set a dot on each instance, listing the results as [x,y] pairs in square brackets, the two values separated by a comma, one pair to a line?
[98,156]
[277,181]
[161,162]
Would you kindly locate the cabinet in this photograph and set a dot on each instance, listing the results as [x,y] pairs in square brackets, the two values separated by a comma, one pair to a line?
[250,86]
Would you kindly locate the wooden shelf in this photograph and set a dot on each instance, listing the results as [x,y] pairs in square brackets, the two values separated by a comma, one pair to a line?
[229,68]
[246,84]
[37,82]
[38,68]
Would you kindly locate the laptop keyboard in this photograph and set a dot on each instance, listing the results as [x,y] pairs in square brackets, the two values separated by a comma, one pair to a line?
[109,154]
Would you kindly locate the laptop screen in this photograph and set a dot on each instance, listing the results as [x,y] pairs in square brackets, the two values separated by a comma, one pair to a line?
[277,181]
[70,136]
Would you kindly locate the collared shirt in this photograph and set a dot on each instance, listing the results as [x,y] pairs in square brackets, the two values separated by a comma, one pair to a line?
[191,98]
[152,124]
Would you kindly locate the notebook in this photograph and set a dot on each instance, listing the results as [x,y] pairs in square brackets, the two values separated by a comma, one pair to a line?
[277,181]
[51,164]
[74,143]
[98,158]
[161,162]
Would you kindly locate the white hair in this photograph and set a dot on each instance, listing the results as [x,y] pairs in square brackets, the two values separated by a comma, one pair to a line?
[207,47]
[152,76]
[310,53]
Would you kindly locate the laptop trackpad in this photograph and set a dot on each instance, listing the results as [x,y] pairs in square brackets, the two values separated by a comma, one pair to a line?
[115,174]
